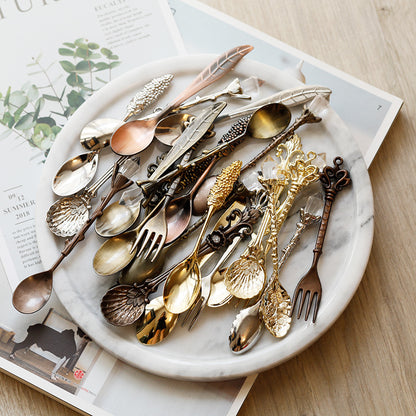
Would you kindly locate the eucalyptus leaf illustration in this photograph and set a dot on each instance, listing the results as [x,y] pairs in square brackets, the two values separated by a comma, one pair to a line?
[37,111]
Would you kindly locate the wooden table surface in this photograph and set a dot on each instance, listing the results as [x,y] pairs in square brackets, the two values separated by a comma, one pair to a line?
[366,363]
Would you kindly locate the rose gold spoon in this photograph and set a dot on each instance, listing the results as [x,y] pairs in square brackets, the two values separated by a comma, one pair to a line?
[134,136]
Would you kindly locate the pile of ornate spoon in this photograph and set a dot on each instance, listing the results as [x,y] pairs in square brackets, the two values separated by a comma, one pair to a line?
[179,189]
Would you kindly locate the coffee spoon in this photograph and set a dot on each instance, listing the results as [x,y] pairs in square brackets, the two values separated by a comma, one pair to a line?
[34,291]
[184,282]
[75,174]
[134,136]
[265,123]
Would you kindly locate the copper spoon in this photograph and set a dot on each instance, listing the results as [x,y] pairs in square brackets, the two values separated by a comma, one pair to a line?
[34,291]
[134,136]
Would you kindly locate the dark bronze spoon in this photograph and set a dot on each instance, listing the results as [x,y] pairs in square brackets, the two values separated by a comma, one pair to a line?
[34,291]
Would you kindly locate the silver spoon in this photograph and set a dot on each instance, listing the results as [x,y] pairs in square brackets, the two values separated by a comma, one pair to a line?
[67,215]
[75,174]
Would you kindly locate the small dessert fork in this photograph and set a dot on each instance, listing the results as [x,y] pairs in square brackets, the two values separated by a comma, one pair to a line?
[333,180]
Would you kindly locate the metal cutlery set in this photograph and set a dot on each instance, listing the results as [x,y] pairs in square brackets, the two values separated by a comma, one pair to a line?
[177,189]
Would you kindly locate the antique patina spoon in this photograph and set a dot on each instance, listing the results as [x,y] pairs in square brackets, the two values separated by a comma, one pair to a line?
[265,123]
[34,291]
[134,136]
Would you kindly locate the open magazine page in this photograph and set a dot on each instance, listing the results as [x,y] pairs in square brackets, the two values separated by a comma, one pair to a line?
[366,110]
[68,50]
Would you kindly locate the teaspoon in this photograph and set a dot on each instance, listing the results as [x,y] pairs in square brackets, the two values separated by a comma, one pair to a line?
[184,282]
[134,136]
[34,291]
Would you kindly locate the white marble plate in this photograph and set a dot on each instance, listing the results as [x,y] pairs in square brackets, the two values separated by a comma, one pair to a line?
[203,354]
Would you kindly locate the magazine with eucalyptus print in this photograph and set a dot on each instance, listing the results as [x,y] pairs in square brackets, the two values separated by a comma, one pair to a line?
[67,51]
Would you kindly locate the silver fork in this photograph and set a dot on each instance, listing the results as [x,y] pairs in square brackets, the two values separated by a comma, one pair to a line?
[155,229]
[200,304]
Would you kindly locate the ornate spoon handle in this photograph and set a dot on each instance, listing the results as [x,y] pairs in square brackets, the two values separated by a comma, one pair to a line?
[217,69]
[333,179]
[306,117]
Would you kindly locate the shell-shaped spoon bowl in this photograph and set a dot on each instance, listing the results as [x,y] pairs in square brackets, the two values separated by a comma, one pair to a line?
[245,278]
[67,215]
[123,305]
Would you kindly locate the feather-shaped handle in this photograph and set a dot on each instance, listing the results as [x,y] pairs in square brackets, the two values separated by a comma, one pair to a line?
[290,97]
[214,71]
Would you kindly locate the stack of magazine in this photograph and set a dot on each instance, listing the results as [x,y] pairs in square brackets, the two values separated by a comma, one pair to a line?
[43,82]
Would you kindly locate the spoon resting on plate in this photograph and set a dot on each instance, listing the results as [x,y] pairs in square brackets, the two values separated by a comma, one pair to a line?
[134,136]
[34,291]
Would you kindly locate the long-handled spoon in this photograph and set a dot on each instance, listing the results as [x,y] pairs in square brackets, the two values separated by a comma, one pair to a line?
[34,291]
[134,136]
[184,282]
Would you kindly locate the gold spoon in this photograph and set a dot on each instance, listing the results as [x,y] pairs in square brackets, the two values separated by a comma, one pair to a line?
[156,323]
[265,123]
[134,136]
[184,282]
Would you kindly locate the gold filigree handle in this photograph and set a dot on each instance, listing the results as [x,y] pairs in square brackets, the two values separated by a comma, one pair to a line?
[224,185]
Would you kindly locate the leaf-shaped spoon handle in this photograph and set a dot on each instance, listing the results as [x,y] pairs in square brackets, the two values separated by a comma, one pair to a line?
[214,71]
